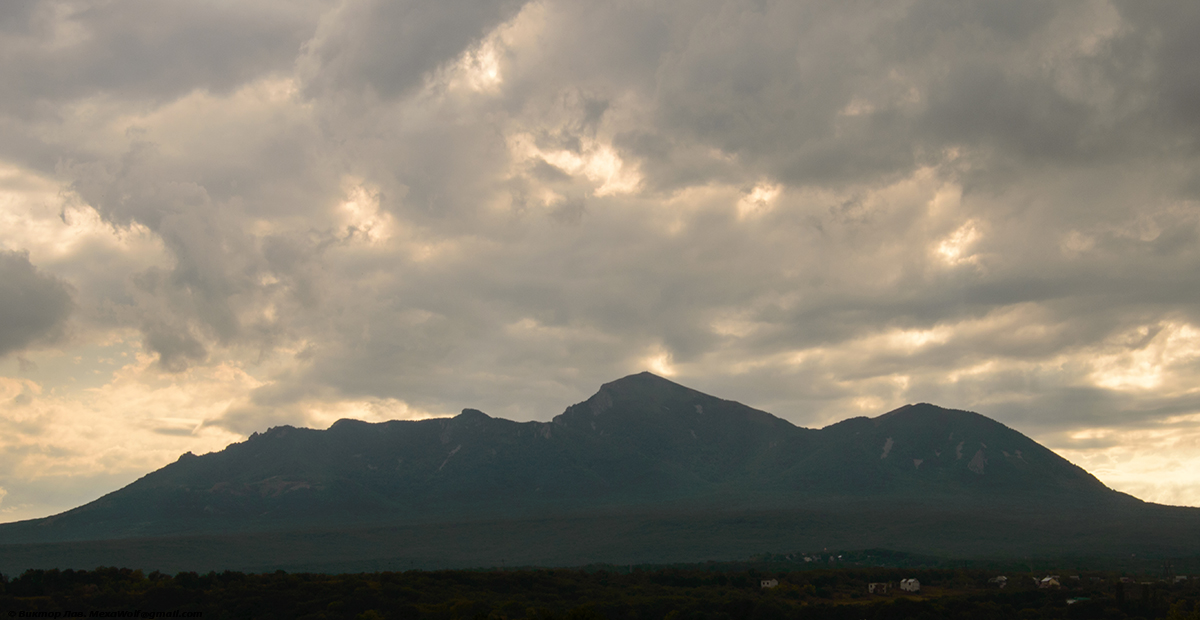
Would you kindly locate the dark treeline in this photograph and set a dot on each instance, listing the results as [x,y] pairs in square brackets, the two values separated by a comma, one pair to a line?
[546,594]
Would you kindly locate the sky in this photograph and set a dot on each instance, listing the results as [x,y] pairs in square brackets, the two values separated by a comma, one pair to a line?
[222,216]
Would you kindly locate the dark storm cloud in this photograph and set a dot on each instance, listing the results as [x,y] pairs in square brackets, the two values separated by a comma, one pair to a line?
[33,305]
[1162,39]
[826,94]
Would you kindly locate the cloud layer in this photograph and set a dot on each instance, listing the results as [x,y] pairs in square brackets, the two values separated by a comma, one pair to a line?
[33,305]
[400,209]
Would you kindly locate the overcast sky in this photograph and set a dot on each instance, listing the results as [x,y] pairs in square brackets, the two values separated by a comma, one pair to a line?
[221,216]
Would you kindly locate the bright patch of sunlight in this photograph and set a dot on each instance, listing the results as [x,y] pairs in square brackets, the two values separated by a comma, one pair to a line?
[660,363]
[360,214]
[596,161]
[953,250]
[324,414]
[36,216]
[1154,464]
[910,340]
[759,200]
[1144,358]
[480,68]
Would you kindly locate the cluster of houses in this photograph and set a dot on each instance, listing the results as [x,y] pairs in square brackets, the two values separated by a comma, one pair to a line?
[907,585]
[816,558]
[912,586]
[1049,581]
[1054,581]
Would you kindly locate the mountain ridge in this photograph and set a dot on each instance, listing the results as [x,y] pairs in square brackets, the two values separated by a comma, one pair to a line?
[643,471]
[640,443]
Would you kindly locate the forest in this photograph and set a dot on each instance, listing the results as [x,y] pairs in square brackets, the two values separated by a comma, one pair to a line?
[709,592]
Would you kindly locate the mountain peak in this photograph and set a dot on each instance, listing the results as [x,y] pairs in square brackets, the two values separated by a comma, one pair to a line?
[656,416]
[472,414]
[646,388]
[926,409]
[646,391]
[341,425]
[929,416]
[644,380]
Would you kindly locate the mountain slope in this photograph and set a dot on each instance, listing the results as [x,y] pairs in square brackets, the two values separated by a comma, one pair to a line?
[645,470]
[638,441]
[640,444]
[925,449]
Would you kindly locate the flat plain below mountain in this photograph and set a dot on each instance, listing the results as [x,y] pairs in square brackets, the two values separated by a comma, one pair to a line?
[644,471]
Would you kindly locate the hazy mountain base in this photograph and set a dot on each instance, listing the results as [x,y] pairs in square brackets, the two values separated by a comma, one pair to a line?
[997,533]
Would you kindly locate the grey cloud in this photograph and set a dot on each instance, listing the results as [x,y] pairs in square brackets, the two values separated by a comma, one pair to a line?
[198,205]
[145,49]
[388,47]
[767,85]
[174,432]
[843,93]
[1057,411]
[16,15]
[295,261]
[523,311]
[140,53]
[1162,38]
[176,347]
[980,104]
[34,306]
[137,188]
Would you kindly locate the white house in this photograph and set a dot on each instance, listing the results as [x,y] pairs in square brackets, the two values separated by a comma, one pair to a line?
[910,585]
[770,583]
[877,588]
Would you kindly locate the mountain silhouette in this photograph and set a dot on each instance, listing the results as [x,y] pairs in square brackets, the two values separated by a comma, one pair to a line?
[641,448]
